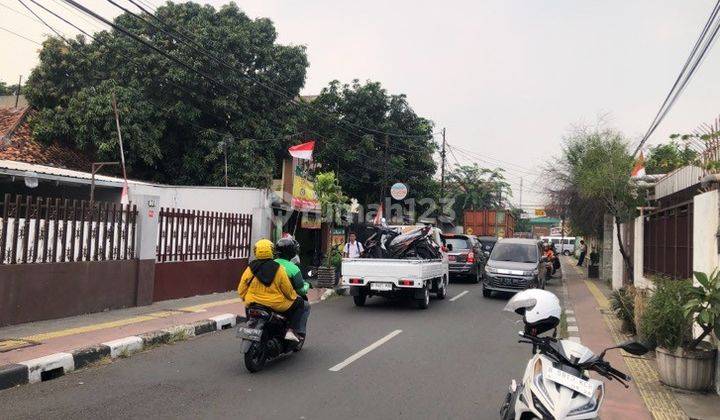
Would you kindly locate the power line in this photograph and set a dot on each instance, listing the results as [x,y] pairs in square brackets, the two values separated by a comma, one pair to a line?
[268,85]
[684,77]
[20,36]
[12,9]
[41,20]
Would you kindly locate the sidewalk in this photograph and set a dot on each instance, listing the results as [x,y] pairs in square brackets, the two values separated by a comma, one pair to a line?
[597,331]
[26,343]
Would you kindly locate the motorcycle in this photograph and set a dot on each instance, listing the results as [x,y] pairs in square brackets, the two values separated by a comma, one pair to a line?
[389,243]
[263,337]
[556,384]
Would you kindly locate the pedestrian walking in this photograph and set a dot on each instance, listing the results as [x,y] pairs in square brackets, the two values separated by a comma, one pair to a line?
[583,252]
[353,248]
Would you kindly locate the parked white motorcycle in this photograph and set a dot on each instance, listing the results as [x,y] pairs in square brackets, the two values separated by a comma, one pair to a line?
[556,384]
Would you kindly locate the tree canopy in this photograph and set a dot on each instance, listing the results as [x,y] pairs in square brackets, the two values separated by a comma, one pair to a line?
[474,187]
[352,143]
[591,179]
[174,121]
[665,158]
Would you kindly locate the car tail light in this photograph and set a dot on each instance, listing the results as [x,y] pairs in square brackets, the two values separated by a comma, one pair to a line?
[355,281]
[471,257]
[407,283]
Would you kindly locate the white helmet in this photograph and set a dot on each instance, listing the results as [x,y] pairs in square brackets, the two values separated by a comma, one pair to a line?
[540,310]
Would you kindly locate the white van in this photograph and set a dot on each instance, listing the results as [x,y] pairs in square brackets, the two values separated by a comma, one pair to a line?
[564,245]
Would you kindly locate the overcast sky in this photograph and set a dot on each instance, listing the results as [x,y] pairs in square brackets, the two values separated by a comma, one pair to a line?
[505,77]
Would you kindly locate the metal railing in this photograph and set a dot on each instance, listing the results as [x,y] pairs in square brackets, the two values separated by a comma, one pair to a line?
[51,230]
[196,235]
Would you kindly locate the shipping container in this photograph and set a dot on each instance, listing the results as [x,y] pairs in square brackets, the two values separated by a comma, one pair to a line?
[500,223]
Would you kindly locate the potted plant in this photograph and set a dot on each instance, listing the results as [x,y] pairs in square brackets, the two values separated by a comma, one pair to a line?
[333,204]
[683,361]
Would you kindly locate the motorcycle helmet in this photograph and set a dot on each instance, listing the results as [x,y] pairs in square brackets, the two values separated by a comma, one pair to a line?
[286,248]
[539,308]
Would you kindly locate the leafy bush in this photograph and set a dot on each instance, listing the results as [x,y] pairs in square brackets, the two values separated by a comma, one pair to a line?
[622,303]
[703,305]
[664,322]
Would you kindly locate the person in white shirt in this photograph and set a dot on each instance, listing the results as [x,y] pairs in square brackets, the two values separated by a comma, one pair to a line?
[353,248]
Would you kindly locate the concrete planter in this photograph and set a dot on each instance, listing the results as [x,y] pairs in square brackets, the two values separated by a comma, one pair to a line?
[326,277]
[691,370]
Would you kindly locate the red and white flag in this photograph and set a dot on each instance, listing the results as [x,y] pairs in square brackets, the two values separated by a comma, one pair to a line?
[378,217]
[124,199]
[303,151]
[639,169]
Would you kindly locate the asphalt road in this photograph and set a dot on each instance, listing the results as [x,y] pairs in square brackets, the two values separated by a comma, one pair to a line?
[453,360]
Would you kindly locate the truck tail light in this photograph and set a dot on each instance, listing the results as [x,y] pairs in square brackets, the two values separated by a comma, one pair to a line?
[355,281]
[407,283]
[471,257]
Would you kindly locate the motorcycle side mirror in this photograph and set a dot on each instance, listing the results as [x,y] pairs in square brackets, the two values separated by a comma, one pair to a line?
[632,347]
[487,253]
[449,247]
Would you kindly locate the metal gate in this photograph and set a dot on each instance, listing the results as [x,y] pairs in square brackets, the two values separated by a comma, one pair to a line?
[668,241]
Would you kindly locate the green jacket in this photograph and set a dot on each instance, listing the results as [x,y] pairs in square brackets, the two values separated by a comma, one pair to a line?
[295,275]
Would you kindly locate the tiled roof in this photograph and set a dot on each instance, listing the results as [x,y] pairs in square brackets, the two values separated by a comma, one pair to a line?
[17,144]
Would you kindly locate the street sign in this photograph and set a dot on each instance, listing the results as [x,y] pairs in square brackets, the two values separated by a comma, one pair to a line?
[399,191]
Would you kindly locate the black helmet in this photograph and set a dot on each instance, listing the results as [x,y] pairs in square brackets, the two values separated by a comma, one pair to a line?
[286,248]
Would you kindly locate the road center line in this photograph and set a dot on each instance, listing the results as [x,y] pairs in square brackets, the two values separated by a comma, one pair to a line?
[463,293]
[364,351]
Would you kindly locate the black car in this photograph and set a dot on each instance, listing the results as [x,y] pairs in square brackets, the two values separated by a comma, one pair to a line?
[465,256]
[514,265]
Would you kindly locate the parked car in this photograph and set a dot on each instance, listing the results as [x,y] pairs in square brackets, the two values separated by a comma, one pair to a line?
[514,265]
[465,256]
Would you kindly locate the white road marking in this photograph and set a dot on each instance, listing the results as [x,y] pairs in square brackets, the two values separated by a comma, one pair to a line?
[571,320]
[364,351]
[569,312]
[575,339]
[463,293]
[572,328]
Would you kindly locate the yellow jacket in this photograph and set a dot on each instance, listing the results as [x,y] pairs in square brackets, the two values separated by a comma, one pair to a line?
[278,295]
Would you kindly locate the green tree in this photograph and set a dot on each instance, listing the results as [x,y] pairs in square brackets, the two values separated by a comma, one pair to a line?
[593,179]
[351,142]
[174,121]
[475,187]
[665,158]
[333,202]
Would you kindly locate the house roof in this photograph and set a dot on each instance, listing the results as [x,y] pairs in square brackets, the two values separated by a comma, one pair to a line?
[17,144]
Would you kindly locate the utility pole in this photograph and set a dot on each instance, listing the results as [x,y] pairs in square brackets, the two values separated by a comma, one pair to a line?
[17,91]
[124,195]
[442,166]
[521,188]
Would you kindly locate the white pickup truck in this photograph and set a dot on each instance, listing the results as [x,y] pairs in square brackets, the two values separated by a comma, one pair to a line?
[391,277]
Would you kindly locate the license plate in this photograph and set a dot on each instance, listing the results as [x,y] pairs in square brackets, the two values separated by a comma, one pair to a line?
[381,287]
[251,334]
[570,381]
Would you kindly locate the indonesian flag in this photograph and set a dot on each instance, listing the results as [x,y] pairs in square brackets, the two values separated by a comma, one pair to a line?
[303,151]
[124,199]
[378,217]
[639,169]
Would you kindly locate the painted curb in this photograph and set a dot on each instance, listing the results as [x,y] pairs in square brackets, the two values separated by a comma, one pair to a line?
[58,364]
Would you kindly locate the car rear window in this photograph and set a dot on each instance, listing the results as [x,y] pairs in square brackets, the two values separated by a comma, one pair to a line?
[515,252]
[458,244]
[487,246]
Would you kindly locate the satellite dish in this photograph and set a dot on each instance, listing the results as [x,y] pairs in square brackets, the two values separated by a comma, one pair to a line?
[31,180]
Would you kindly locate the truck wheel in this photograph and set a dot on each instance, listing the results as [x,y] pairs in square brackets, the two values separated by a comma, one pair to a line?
[487,293]
[359,299]
[424,302]
[441,290]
